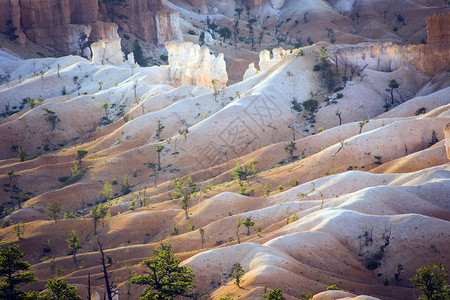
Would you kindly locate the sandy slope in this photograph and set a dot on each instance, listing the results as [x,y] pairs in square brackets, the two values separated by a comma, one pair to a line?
[385,177]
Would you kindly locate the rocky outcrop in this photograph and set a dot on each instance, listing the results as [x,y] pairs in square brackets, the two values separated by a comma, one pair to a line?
[10,16]
[447,139]
[52,23]
[252,4]
[276,4]
[430,59]
[107,52]
[59,24]
[438,29]
[267,61]
[251,71]
[167,26]
[191,64]
[151,21]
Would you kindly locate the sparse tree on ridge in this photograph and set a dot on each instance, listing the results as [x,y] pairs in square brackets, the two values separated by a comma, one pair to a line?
[21,155]
[248,223]
[14,273]
[237,273]
[61,290]
[97,213]
[105,106]
[239,11]
[184,190]
[54,210]
[159,128]
[165,278]
[290,148]
[107,191]
[225,33]
[249,25]
[80,154]
[393,84]
[158,150]
[74,245]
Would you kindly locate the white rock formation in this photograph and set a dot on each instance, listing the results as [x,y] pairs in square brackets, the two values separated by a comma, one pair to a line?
[108,51]
[251,71]
[191,65]
[344,6]
[130,60]
[276,4]
[208,38]
[447,139]
[266,62]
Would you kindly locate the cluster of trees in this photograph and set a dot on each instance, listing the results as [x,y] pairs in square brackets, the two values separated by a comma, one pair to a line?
[77,171]
[243,173]
[15,273]
[164,279]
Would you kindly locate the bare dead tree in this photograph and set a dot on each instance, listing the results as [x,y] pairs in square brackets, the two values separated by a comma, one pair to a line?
[337,113]
[340,148]
[89,286]
[107,262]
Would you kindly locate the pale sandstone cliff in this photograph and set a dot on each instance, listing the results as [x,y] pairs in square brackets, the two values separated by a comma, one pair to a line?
[191,64]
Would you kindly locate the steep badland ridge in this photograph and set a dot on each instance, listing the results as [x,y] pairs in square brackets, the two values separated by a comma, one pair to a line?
[363,164]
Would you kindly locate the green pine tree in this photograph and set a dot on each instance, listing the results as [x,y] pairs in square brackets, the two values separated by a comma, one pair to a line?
[165,278]
[430,280]
[74,245]
[61,290]
[14,273]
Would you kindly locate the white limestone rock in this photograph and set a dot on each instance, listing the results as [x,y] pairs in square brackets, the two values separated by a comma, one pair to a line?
[266,62]
[191,64]
[130,60]
[208,38]
[251,71]
[107,52]
[276,4]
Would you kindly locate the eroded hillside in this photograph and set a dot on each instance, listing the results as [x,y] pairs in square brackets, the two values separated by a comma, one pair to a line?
[337,143]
